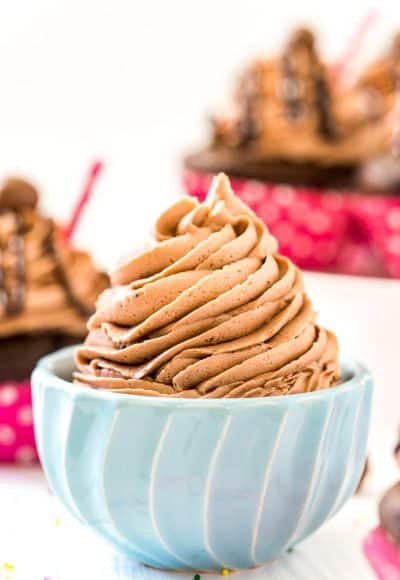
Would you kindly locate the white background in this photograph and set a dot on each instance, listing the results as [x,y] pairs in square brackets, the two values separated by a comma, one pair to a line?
[133,82]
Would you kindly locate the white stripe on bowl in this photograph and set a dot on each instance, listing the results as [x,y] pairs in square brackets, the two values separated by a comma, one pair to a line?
[73,506]
[314,477]
[153,475]
[265,485]
[114,529]
[346,478]
[207,490]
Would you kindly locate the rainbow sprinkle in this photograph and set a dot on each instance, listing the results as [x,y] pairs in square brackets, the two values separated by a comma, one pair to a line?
[9,569]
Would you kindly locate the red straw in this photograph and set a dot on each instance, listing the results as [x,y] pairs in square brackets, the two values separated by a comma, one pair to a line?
[83,198]
[353,48]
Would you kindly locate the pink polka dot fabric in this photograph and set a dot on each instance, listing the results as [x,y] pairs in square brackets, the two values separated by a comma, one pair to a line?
[17,441]
[331,231]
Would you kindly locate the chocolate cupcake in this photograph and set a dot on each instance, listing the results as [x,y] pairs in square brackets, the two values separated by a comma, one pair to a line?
[291,124]
[47,291]
[300,148]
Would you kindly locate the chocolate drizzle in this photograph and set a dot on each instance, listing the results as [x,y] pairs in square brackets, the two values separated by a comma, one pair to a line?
[13,277]
[248,129]
[291,89]
[12,296]
[301,53]
[13,290]
[50,249]
[16,248]
[323,106]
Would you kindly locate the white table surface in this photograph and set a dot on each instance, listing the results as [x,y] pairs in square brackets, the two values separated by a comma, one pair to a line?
[41,541]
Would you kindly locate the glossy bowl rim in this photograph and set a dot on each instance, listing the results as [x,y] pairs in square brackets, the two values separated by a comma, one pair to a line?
[359,378]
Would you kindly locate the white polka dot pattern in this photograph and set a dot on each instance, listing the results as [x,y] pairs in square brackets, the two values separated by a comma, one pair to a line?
[8,395]
[252,193]
[17,441]
[25,454]
[393,245]
[284,195]
[318,222]
[7,435]
[393,218]
[24,415]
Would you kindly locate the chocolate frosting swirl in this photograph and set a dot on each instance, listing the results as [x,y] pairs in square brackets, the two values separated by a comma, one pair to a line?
[45,284]
[210,310]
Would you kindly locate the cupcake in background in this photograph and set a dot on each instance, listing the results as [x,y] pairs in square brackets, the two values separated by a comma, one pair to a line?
[48,290]
[294,142]
[285,124]
[379,174]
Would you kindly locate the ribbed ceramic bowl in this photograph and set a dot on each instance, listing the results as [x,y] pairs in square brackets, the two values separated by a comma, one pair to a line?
[200,484]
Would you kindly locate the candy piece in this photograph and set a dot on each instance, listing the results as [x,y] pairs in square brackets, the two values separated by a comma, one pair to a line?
[17,194]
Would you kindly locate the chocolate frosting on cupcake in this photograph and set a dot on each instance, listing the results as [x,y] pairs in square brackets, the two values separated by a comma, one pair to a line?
[209,311]
[283,108]
[291,122]
[45,284]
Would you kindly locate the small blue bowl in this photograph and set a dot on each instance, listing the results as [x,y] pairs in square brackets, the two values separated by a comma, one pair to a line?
[200,484]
